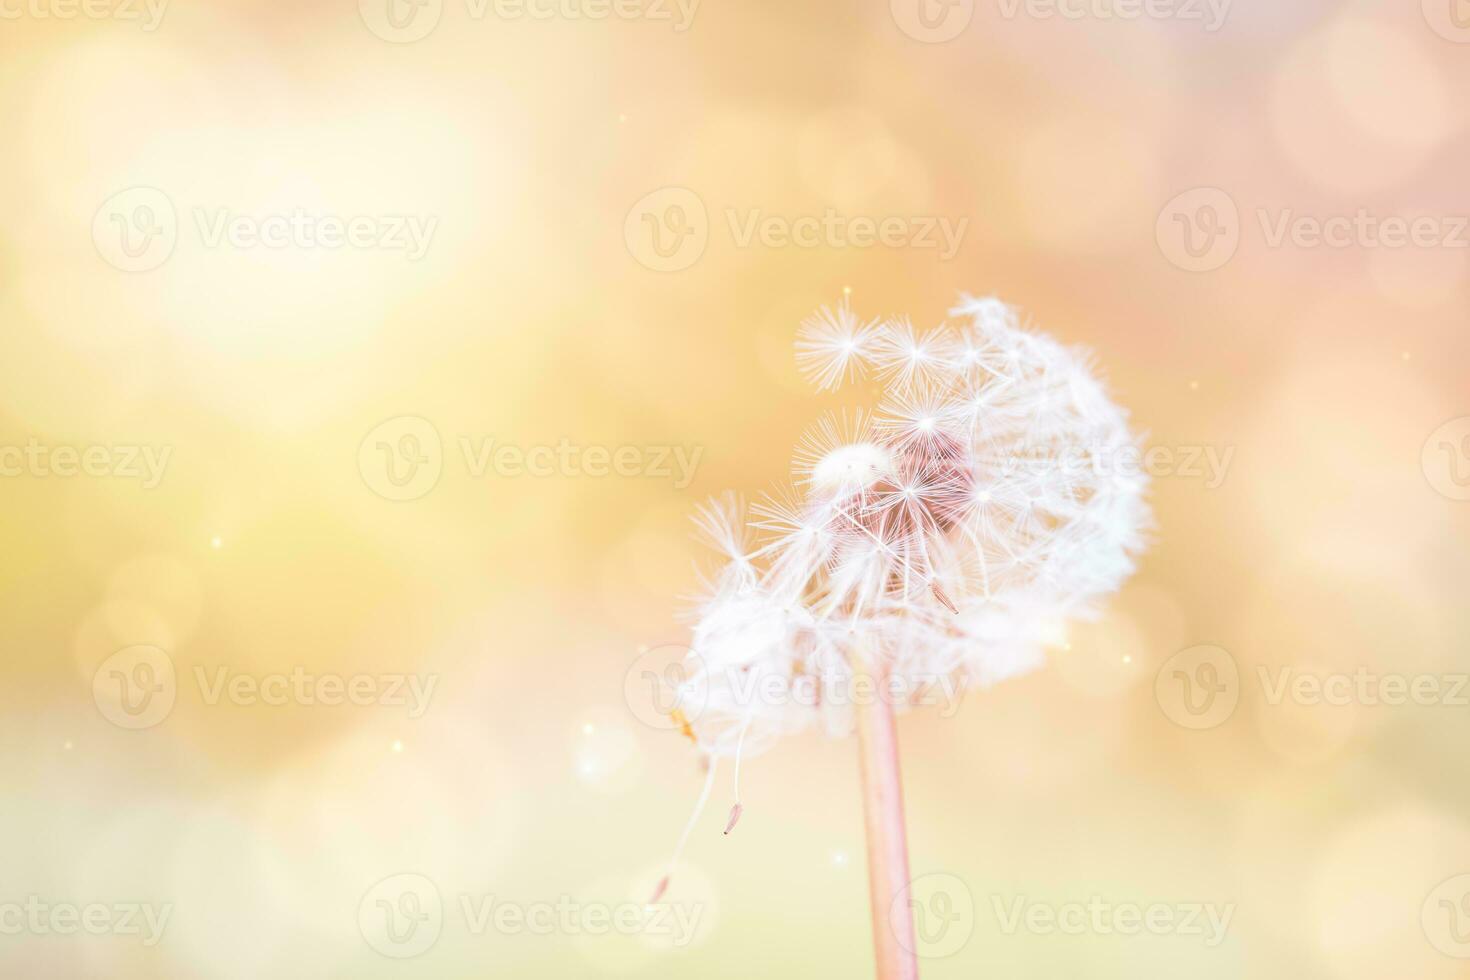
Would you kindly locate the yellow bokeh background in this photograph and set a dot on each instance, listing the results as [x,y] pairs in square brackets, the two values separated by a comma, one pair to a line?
[1333,543]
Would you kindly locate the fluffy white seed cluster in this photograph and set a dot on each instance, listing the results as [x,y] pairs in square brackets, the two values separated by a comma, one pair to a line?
[947,536]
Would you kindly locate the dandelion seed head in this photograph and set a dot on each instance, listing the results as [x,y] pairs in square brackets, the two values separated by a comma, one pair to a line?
[952,533]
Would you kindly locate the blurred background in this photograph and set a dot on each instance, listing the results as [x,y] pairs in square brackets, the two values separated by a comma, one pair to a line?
[322,328]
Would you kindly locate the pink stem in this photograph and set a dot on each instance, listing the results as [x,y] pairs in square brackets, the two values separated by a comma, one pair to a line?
[888,858]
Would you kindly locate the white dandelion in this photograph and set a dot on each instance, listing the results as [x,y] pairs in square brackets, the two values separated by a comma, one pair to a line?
[904,355]
[946,538]
[832,347]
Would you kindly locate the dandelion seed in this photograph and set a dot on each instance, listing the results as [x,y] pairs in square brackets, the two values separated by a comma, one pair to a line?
[832,347]
[737,809]
[945,600]
[905,356]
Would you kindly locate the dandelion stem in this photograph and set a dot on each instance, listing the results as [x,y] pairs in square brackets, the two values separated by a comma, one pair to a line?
[709,783]
[888,859]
